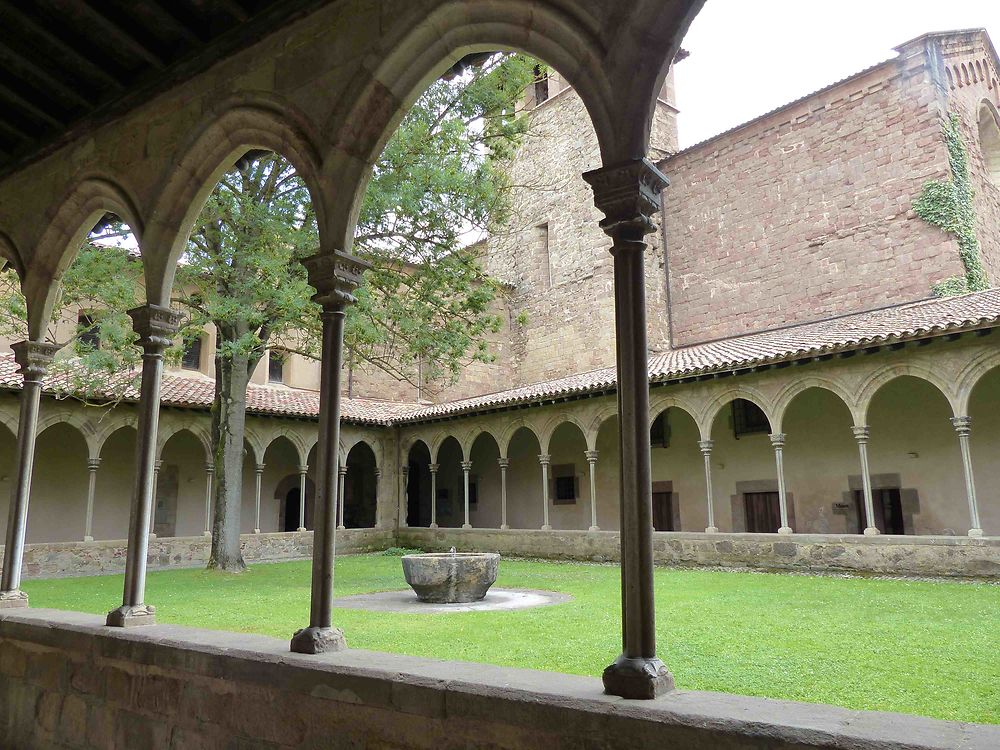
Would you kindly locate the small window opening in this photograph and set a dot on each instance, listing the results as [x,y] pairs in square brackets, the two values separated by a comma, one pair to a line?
[542,253]
[88,331]
[748,419]
[659,433]
[565,484]
[989,142]
[275,366]
[541,85]
[191,359]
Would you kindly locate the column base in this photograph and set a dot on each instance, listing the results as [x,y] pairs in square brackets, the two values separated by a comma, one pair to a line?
[152,536]
[13,599]
[341,527]
[637,678]
[975,532]
[504,527]
[128,616]
[256,531]
[546,527]
[712,530]
[314,640]
[432,526]
[88,538]
[301,528]
[594,528]
[207,534]
[785,530]
[872,531]
[466,525]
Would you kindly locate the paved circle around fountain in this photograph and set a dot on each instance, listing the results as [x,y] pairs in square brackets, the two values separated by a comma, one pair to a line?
[496,600]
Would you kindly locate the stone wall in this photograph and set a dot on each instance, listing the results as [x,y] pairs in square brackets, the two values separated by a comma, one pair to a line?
[952,557]
[68,681]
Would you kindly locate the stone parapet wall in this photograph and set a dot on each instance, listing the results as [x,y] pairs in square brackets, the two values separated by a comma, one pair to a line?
[68,681]
[941,556]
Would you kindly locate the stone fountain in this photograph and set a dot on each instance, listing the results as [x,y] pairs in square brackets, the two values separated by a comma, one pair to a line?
[451,577]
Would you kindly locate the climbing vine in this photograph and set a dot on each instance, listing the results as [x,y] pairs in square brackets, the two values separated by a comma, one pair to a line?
[948,204]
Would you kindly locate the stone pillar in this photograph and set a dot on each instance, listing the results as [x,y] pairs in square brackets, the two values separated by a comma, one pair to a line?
[963,426]
[628,194]
[778,441]
[404,496]
[504,465]
[258,473]
[157,465]
[156,327]
[545,459]
[303,474]
[334,276]
[592,464]
[434,489]
[341,497]
[33,358]
[466,468]
[706,450]
[861,436]
[378,504]
[209,476]
[88,524]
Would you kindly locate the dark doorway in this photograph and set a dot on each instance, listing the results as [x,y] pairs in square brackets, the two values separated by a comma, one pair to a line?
[663,509]
[763,512]
[888,507]
[292,510]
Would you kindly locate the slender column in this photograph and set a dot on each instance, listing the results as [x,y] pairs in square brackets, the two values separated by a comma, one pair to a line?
[545,459]
[404,496]
[963,426]
[592,464]
[258,473]
[466,468]
[334,276]
[209,475]
[434,494]
[33,358]
[778,441]
[629,194]
[303,473]
[156,327]
[341,497]
[88,524]
[157,465]
[861,434]
[378,506]
[504,465]
[706,450]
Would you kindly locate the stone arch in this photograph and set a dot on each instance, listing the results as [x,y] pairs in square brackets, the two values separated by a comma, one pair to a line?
[508,433]
[874,382]
[970,375]
[256,444]
[234,127]
[472,436]
[602,416]
[797,386]
[9,420]
[10,253]
[66,228]
[553,423]
[711,410]
[101,433]
[989,139]
[440,439]
[198,432]
[346,446]
[660,403]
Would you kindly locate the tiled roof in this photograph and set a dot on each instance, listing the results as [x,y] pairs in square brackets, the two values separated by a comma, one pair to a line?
[861,330]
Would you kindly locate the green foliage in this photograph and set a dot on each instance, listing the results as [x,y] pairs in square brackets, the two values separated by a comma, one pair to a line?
[948,204]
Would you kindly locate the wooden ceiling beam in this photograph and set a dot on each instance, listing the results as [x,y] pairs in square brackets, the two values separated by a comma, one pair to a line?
[234,9]
[33,109]
[26,68]
[171,21]
[118,33]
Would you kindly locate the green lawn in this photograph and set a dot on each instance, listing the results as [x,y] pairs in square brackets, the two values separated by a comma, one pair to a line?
[915,647]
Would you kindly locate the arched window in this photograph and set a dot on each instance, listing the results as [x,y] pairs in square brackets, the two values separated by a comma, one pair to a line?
[989,141]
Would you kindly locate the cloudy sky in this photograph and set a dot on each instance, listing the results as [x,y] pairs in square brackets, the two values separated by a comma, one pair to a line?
[750,57]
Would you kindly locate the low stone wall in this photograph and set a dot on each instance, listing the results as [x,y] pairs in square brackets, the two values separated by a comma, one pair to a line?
[921,556]
[66,680]
[58,559]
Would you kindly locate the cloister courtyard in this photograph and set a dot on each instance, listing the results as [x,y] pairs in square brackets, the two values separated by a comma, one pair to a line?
[910,646]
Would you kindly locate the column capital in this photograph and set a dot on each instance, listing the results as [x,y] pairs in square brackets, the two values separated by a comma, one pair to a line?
[405,468]
[504,462]
[93,463]
[861,433]
[591,456]
[259,468]
[157,464]
[705,446]
[156,326]
[209,467]
[303,468]
[963,425]
[466,465]
[628,194]
[434,468]
[777,439]
[342,471]
[544,459]
[33,359]
[378,472]
[334,275]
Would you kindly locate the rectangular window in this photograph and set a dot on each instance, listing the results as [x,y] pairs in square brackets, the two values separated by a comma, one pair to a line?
[88,331]
[763,512]
[565,486]
[542,258]
[541,85]
[191,359]
[275,366]
[748,419]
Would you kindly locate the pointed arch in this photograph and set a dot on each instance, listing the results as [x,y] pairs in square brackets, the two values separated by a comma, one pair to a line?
[875,381]
[472,436]
[748,393]
[607,412]
[970,375]
[787,395]
[197,431]
[508,433]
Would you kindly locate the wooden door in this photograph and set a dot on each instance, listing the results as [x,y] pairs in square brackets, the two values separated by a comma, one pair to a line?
[763,512]
[663,511]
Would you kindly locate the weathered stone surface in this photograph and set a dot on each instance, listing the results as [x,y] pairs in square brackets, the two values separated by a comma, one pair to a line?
[451,578]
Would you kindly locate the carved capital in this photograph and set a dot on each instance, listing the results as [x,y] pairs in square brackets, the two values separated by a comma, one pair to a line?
[342,471]
[156,326]
[93,464]
[628,194]
[334,276]
[591,456]
[33,359]
[378,473]
[777,439]
[209,468]
[963,425]
[303,469]
[259,468]
[504,462]
[861,433]
[705,446]
[157,464]
[544,459]
[434,468]
[466,465]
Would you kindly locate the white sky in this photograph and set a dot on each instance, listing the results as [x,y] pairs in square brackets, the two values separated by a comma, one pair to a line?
[748,57]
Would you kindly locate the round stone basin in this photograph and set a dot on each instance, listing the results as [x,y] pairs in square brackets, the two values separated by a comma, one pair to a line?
[451,577]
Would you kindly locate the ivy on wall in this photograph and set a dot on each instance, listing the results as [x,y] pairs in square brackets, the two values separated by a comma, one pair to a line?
[948,204]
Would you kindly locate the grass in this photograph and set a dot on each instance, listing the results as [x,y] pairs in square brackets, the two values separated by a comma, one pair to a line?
[929,648]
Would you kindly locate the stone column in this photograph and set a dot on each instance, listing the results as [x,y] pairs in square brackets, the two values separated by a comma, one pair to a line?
[592,464]
[434,488]
[157,465]
[334,276]
[209,475]
[341,497]
[861,436]
[778,441]
[963,426]
[404,497]
[258,473]
[545,459]
[88,524]
[706,450]
[156,327]
[33,358]
[504,465]
[303,474]
[628,194]
[378,508]
[466,468]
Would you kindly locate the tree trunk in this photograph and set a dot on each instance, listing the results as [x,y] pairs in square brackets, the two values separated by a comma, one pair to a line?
[232,373]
